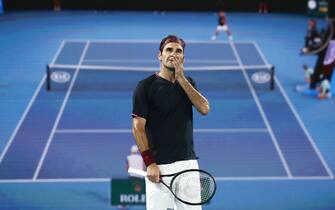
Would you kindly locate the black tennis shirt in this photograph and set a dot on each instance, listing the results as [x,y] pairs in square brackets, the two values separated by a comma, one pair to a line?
[169,118]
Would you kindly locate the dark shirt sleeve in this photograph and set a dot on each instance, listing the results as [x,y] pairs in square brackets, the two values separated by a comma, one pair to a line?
[140,102]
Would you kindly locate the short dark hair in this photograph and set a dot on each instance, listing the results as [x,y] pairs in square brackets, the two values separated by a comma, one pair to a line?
[171,38]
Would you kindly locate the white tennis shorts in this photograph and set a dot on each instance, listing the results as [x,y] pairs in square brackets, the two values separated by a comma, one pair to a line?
[222,28]
[159,197]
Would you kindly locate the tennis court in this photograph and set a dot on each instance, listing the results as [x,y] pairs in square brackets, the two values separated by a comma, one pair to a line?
[84,131]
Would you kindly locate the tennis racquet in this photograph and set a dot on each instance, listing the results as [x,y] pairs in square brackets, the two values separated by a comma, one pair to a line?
[192,187]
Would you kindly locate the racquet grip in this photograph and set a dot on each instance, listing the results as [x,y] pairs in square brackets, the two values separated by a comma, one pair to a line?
[137,172]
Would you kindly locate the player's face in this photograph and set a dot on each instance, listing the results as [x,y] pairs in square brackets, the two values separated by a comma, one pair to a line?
[171,52]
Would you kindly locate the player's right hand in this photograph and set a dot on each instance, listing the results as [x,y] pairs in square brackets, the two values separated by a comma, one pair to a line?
[153,173]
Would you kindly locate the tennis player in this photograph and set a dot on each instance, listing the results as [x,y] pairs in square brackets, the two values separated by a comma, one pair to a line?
[163,123]
[222,26]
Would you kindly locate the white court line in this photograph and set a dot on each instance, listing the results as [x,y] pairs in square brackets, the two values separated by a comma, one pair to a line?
[154,69]
[231,130]
[40,163]
[225,130]
[93,131]
[156,61]
[121,60]
[139,41]
[271,178]
[260,52]
[297,116]
[23,117]
[53,61]
[97,180]
[60,180]
[32,100]
[265,119]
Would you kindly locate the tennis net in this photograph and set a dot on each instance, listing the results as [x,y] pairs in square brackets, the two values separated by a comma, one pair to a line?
[63,77]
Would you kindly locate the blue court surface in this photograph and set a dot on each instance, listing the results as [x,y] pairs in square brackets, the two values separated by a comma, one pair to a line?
[73,138]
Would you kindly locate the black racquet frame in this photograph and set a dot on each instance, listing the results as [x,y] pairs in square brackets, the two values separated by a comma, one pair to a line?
[175,175]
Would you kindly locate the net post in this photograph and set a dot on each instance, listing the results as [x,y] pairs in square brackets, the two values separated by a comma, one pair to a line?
[272,72]
[48,78]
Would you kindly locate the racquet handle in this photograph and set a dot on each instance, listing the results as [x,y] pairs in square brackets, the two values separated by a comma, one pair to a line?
[137,172]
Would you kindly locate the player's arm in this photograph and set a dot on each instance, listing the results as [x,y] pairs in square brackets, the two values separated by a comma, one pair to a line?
[143,145]
[197,99]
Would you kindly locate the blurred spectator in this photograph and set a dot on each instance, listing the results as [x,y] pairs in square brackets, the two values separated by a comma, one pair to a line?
[313,38]
[57,6]
[308,71]
[134,160]
[263,7]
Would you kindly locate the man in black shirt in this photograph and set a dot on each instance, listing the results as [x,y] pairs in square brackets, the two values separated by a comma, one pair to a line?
[163,122]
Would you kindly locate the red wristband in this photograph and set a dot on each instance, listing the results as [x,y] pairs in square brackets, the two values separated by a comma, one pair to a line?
[148,158]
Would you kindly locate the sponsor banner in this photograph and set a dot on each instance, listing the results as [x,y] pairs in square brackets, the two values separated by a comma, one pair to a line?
[128,191]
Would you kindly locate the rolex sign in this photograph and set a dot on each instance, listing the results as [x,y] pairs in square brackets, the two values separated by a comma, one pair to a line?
[128,191]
